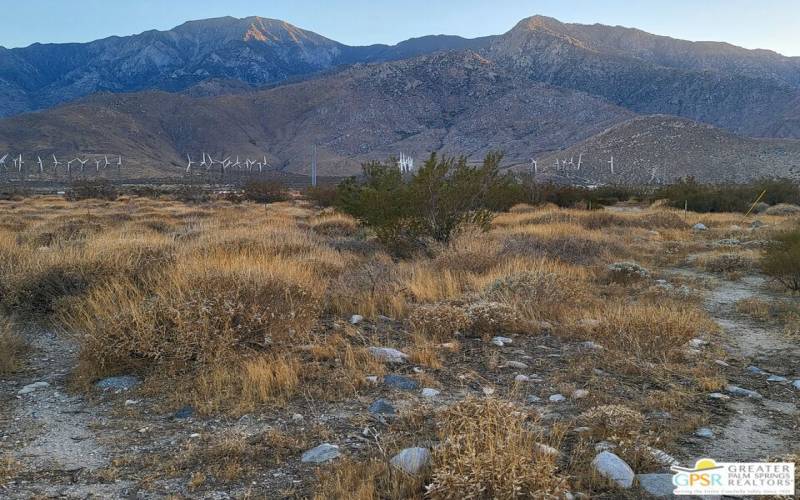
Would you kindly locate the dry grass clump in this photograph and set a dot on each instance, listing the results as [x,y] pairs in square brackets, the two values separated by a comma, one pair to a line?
[438,321]
[12,348]
[494,318]
[368,288]
[487,451]
[740,262]
[372,479]
[8,469]
[755,308]
[783,209]
[568,243]
[469,252]
[612,420]
[335,225]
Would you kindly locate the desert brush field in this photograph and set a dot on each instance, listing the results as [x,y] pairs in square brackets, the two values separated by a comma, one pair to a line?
[153,348]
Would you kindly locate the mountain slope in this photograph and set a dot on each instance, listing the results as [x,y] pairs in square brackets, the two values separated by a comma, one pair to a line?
[661,149]
[455,102]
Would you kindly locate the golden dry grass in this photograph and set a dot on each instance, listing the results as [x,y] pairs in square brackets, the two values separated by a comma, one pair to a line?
[12,348]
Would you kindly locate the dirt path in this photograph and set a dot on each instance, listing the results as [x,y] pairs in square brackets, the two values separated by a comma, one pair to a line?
[748,429]
[52,435]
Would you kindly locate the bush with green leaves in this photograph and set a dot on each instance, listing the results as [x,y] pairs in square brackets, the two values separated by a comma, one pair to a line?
[432,204]
[781,259]
[100,189]
[265,192]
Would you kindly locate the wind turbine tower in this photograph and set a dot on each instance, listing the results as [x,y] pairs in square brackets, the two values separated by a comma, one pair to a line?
[314,168]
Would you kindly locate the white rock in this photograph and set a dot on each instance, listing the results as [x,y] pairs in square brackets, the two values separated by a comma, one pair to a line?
[704,432]
[557,398]
[697,343]
[522,378]
[429,392]
[412,460]
[297,417]
[721,363]
[518,365]
[738,391]
[388,354]
[614,468]
[322,453]
[662,457]
[777,378]
[356,319]
[372,379]
[580,393]
[657,485]
[604,446]
[719,395]
[700,227]
[501,341]
[796,384]
[32,388]
[547,450]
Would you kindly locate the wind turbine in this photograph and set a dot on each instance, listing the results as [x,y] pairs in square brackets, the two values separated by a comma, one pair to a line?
[56,163]
[204,163]
[97,162]
[189,166]
[20,163]
[41,164]
[107,163]
[580,161]
[119,162]
[69,165]
[83,163]
[3,160]
[534,166]
[236,164]
[611,161]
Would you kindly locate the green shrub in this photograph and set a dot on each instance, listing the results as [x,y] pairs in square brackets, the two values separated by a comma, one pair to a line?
[728,197]
[99,189]
[443,196]
[781,259]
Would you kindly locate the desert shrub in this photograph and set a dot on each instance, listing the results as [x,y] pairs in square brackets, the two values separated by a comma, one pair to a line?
[626,272]
[59,231]
[728,197]
[322,196]
[12,347]
[530,286]
[98,189]
[494,318]
[600,219]
[369,288]
[569,248]
[783,209]
[441,197]
[662,219]
[570,196]
[755,308]
[265,192]
[192,194]
[728,262]
[470,252]
[486,451]
[612,420]
[334,225]
[781,259]
[438,321]
[372,479]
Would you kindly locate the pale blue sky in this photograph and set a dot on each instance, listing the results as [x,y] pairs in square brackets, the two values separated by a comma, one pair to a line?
[770,24]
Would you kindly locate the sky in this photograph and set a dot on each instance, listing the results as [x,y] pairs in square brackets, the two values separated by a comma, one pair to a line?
[768,24]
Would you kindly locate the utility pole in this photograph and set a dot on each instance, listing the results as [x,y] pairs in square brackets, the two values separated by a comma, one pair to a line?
[314,168]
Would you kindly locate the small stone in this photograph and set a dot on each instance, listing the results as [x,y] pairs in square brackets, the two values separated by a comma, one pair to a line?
[756,224]
[32,388]
[557,398]
[545,449]
[796,384]
[488,391]
[522,378]
[184,413]
[738,391]
[517,365]
[700,227]
[580,393]
[388,354]
[533,399]
[698,343]
[719,395]
[417,370]
[118,384]
[756,370]
[381,407]
[297,417]
[590,346]
[777,378]
[400,382]
[604,446]
[582,430]
[721,363]
[662,457]
[131,402]
[194,435]
[704,432]
[429,392]
[412,460]
[501,341]
[614,468]
[322,453]
[372,379]
[356,319]
[657,485]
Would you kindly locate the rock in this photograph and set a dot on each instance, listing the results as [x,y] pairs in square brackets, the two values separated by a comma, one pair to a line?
[429,392]
[719,395]
[756,370]
[501,341]
[372,379]
[697,343]
[777,378]
[704,432]
[796,384]
[661,456]
[400,382]
[614,468]
[518,365]
[545,449]
[322,453]
[757,224]
[580,393]
[32,388]
[381,407]
[184,413]
[735,227]
[118,384]
[590,346]
[657,485]
[412,460]
[356,319]
[738,391]
[628,270]
[487,391]
[721,363]
[783,209]
[582,430]
[604,446]
[700,227]
[388,354]
[557,398]
[533,399]
[522,378]
[297,417]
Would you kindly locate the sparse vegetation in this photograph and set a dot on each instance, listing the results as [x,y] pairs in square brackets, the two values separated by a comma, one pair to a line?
[781,260]
[12,348]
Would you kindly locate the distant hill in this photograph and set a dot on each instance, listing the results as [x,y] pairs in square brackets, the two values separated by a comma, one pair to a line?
[662,149]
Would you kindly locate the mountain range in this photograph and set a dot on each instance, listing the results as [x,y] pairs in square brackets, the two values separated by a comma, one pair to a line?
[545,90]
